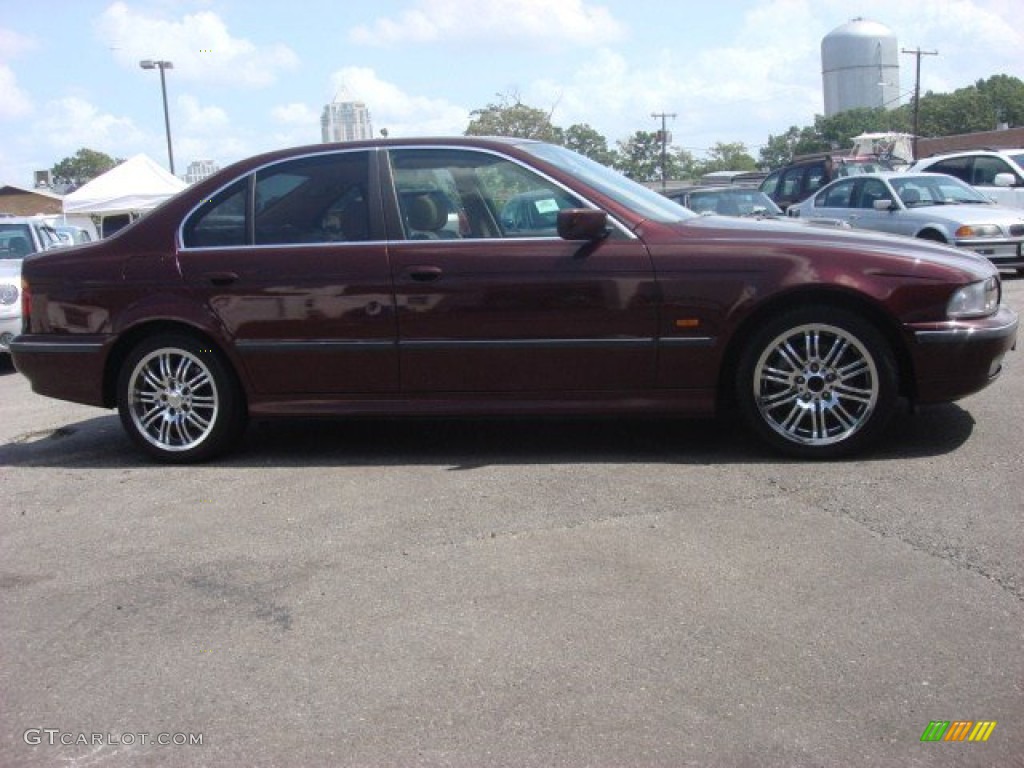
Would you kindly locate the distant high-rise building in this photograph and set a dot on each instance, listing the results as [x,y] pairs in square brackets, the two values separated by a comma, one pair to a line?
[199,170]
[345,121]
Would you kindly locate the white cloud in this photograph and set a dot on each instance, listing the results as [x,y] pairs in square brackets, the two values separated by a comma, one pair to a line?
[199,45]
[13,44]
[72,122]
[14,102]
[400,113]
[198,119]
[566,22]
[296,114]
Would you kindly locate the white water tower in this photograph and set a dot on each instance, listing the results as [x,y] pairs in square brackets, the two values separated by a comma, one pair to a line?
[860,67]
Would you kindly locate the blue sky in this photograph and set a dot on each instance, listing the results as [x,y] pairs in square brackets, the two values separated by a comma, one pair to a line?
[253,75]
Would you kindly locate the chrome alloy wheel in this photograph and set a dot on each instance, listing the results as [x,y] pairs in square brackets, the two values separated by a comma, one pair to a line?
[816,384]
[174,399]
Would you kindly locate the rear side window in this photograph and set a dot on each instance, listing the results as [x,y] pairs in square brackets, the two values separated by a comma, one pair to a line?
[219,221]
[838,196]
[319,199]
[309,200]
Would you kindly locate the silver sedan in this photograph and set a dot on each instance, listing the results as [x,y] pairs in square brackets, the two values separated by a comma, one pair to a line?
[932,206]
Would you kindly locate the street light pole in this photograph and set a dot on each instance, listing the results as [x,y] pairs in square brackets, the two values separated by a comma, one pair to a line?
[162,65]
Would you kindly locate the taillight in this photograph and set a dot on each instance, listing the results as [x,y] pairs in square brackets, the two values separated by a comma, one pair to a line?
[26,306]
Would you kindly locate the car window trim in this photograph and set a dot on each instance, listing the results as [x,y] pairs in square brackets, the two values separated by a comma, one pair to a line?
[373,192]
[389,174]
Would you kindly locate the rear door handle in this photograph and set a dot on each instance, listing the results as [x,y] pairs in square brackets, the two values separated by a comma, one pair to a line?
[221,278]
[424,274]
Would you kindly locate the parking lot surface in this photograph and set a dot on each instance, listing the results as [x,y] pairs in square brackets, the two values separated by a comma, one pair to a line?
[521,593]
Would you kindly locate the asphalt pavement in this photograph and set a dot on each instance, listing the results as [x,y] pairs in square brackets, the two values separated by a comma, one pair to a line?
[512,593]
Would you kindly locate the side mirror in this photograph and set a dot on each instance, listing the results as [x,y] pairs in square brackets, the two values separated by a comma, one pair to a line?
[1004,180]
[582,224]
[885,204]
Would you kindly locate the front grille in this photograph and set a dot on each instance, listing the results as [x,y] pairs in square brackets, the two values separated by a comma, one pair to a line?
[1016,230]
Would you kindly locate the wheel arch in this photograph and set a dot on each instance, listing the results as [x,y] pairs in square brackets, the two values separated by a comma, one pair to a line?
[929,232]
[132,337]
[886,324]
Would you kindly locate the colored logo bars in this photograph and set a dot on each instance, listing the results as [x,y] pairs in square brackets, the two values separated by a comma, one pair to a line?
[958,730]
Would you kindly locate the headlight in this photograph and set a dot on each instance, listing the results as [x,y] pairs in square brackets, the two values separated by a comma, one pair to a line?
[978,230]
[974,300]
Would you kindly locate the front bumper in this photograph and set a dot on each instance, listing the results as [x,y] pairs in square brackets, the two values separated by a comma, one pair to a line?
[957,358]
[1002,253]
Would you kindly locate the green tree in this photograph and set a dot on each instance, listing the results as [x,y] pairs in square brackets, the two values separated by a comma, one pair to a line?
[510,117]
[640,158]
[779,150]
[83,166]
[727,157]
[587,141]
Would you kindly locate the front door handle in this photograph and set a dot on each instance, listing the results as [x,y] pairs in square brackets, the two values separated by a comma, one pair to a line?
[424,274]
[221,278]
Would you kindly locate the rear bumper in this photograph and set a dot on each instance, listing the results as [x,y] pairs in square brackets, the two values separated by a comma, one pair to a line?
[955,359]
[64,367]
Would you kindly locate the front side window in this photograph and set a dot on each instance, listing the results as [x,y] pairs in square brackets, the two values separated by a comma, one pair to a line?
[954,166]
[454,193]
[985,169]
[790,184]
[15,241]
[871,191]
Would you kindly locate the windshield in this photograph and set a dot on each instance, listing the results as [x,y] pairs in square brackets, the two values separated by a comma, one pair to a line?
[921,191]
[645,202]
[15,241]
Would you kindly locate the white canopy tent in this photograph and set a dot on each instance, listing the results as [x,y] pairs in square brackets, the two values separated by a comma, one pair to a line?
[135,186]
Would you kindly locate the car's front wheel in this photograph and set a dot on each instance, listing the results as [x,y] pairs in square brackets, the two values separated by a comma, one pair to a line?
[817,382]
[178,399]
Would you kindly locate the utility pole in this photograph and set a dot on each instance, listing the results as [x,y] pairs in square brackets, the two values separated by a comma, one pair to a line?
[917,53]
[663,136]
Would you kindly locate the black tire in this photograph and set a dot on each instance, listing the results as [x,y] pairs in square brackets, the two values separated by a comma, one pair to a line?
[817,382]
[179,400]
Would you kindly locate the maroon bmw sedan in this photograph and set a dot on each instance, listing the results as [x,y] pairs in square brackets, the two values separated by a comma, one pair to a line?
[464,276]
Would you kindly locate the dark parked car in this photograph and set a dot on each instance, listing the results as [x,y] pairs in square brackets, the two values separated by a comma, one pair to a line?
[293,284]
[807,174]
[726,201]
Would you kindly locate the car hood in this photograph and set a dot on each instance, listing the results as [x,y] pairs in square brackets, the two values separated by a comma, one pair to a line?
[908,251]
[966,214]
[10,269]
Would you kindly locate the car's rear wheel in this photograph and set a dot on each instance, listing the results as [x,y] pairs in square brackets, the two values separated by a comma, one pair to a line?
[818,382]
[178,400]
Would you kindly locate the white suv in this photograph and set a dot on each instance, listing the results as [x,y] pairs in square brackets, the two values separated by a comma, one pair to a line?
[19,237]
[996,173]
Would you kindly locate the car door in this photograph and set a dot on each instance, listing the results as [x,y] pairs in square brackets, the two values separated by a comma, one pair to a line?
[865,216]
[835,202]
[291,261]
[487,310]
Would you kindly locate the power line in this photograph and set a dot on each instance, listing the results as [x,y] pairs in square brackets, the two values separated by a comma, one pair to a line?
[664,142]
